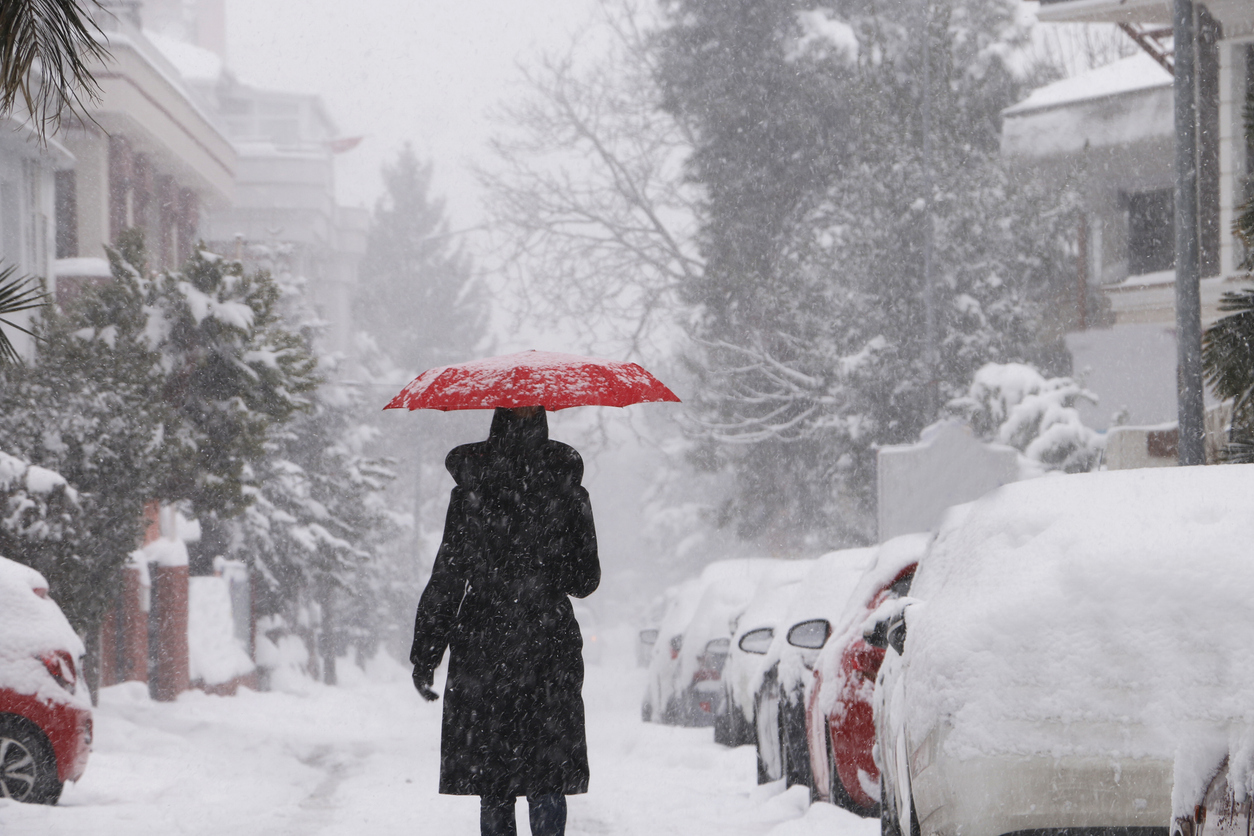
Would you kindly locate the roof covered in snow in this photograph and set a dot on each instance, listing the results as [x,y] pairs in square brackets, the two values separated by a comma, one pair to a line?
[193,62]
[1127,75]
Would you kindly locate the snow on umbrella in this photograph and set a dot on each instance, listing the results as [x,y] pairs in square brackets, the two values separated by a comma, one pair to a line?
[532,378]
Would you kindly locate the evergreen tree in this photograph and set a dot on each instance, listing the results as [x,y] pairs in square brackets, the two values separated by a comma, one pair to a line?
[421,306]
[233,374]
[811,326]
[417,294]
[90,408]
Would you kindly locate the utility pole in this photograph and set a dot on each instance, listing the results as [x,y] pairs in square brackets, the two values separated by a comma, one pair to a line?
[931,353]
[1190,407]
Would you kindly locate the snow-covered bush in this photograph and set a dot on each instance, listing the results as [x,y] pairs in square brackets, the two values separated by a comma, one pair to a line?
[1014,404]
[38,504]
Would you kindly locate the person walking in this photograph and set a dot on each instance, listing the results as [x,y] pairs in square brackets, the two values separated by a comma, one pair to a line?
[519,539]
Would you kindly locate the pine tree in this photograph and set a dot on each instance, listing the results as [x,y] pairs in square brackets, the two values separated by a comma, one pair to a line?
[90,408]
[418,297]
[422,307]
[233,373]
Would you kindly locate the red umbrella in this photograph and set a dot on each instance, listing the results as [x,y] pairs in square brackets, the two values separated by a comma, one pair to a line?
[532,378]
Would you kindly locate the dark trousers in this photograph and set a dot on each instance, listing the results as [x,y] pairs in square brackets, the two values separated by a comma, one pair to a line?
[548,816]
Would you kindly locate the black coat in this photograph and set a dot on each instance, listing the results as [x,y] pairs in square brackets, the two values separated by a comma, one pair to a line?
[518,540]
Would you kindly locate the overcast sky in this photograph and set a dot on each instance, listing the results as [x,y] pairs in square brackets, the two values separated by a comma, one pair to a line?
[397,70]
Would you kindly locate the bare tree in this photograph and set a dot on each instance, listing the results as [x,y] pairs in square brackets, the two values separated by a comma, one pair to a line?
[587,189]
[46,47]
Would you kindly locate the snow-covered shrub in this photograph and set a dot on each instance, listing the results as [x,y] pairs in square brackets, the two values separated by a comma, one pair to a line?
[1014,404]
[39,515]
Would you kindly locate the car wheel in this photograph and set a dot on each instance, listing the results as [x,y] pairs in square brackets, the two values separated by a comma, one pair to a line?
[646,712]
[837,792]
[724,733]
[889,824]
[888,813]
[766,724]
[742,728]
[28,767]
[795,751]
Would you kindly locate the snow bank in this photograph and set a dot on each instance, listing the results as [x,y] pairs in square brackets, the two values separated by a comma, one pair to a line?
[31,624]
[1104,614]
[214,654]
[284,657]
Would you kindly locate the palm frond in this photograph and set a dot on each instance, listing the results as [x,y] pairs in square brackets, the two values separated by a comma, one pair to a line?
[1243,226]
[17,293]
[45,49]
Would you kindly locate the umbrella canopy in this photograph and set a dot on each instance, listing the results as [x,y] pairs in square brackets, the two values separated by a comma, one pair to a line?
[532,378]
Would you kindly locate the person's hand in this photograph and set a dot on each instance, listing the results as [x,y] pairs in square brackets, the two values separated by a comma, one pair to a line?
[422,681]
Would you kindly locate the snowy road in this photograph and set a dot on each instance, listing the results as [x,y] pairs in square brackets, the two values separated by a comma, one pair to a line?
[363,758]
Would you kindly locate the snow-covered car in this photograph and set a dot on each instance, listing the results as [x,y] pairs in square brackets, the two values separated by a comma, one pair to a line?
[645,640]
[753,631]
[684,684]
[785,678]
[1064,639]
[840,728]
[45,712]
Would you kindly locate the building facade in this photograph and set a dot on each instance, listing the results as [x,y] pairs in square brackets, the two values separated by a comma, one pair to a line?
[1109,135]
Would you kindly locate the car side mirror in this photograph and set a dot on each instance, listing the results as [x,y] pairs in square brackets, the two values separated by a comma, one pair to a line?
[810,635]
[757,641]
[897,635]
[878,635]
[648,636]
[889,631]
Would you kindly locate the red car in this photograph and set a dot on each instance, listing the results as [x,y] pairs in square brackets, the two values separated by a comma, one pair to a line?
[45,713]
[840,724]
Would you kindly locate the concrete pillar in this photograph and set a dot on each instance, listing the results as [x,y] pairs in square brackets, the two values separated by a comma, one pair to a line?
[169,610]
[124,632]
[91,153]
[110,673]
[133,629]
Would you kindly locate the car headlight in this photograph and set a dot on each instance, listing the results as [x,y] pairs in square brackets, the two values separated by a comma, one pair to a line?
[60,666]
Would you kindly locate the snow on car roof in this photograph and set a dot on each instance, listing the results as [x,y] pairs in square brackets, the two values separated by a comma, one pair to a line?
[31,624]
[729,587]
[686,597]
[823,594]
[1106,613]
[773,595]
[890,558]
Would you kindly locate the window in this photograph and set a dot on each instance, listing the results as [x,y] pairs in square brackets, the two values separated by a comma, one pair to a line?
[1151,232]
[67,214]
